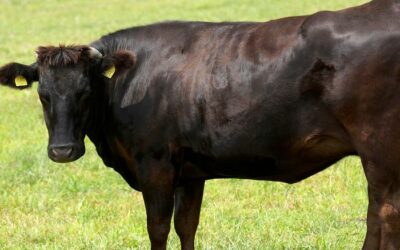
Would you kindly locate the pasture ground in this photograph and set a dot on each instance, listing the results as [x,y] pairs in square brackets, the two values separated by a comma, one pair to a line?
[84,205]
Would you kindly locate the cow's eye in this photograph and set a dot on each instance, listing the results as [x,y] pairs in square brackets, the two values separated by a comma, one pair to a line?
[83,98]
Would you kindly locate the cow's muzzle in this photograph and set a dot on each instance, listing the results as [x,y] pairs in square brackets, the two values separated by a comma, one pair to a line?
[63,153]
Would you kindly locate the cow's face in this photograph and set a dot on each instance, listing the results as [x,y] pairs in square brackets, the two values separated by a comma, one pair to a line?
[69,79]
[65,91]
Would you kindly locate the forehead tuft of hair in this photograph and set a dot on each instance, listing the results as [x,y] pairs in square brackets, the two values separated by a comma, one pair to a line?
[62,55]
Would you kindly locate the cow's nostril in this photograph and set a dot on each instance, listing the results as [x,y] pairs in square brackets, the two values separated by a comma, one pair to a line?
[55,152]
[68,152]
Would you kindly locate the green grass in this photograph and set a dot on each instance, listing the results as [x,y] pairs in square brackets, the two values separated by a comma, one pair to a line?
[84,205]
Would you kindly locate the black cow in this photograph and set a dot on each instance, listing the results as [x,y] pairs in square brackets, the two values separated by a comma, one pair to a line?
[171,105]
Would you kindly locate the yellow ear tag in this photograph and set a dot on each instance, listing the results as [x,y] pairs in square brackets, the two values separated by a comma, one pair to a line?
[20,81]
[109,72]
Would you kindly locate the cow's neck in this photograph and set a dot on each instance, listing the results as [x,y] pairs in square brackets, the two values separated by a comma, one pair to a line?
[97,130]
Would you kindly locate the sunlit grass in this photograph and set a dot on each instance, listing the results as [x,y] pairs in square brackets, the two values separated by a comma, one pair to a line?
[84,205]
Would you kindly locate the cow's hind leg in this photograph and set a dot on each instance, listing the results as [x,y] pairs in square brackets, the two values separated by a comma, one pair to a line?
[373,237]
[188,199]
[383,222]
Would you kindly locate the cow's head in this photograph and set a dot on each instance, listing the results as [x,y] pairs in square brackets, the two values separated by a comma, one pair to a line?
[69,79]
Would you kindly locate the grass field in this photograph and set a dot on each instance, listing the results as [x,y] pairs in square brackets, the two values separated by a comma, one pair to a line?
[84,205]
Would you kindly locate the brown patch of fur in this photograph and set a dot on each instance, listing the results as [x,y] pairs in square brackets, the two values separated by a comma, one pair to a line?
[62,55]
[389,212]
[390,216]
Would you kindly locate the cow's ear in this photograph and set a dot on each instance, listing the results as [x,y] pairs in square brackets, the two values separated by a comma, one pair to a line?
[19,76]
[117,63]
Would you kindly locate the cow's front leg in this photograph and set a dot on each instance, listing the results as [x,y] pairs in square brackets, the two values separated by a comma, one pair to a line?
[157,181]
[383,225]
[188,199]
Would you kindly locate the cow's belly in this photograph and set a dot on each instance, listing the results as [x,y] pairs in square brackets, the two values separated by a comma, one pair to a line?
[304,157]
